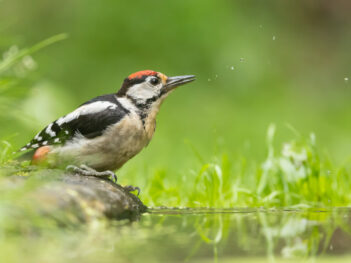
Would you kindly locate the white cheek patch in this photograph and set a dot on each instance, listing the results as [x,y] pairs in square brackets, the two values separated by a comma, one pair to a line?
[143,91]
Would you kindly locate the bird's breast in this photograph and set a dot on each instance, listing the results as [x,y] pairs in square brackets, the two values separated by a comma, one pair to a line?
[126,138]
[119,143]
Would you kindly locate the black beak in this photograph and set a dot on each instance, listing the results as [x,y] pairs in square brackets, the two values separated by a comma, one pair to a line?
[173,82]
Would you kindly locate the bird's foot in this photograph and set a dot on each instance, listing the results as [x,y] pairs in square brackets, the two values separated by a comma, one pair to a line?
[88,171]
[131,188]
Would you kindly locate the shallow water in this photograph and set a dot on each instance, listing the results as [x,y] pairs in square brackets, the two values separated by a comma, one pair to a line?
[196,235]
[258,235]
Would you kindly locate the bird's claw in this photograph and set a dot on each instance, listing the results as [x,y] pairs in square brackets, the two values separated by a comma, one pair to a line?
[88,171]
[113,177]
[131,188]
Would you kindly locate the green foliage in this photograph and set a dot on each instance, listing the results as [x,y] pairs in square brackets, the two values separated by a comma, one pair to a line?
[14,88]
[296,176]
[15,56]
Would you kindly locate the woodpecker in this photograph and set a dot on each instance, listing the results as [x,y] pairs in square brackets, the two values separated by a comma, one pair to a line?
[102,134]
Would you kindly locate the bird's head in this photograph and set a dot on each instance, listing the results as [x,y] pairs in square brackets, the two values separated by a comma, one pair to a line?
[147,87]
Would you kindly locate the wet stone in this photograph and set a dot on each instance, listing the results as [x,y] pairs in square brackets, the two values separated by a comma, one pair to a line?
[72,198]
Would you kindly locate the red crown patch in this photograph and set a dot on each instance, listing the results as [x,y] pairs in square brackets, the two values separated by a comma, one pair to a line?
[142,73]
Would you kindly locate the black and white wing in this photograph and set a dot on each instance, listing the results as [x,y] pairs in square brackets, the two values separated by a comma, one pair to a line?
[89,120]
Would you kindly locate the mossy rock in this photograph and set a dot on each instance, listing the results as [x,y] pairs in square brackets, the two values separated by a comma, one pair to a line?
[71,198]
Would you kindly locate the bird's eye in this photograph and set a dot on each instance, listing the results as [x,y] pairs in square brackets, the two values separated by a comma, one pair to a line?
[154,81]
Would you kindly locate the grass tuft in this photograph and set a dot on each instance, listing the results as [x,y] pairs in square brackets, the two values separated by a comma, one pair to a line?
[295,176]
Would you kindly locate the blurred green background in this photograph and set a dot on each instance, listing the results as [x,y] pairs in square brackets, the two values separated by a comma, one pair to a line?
[256,62]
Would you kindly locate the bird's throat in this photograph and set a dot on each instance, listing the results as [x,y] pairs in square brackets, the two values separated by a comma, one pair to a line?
[148,116]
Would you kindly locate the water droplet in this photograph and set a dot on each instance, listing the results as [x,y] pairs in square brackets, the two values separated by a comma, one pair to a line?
[241,59]
[216,76]
[232,68]
[209,80]
[331,247]
[260,26]
[346,79]
[273,38]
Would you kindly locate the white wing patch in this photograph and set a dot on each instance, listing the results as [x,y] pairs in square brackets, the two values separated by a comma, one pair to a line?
[38,138]
[91,108]
[86,109]
[49,131]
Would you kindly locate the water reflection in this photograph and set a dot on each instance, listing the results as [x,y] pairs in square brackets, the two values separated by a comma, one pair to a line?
[275,234]
[205,235]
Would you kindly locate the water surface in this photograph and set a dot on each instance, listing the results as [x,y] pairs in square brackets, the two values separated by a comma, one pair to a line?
[210,235]
[196,235]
